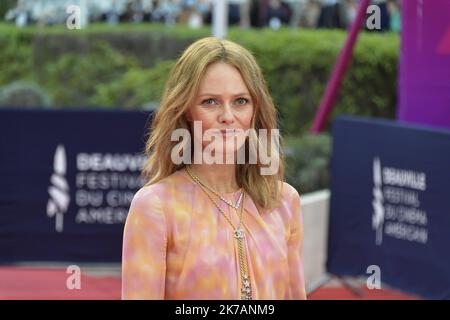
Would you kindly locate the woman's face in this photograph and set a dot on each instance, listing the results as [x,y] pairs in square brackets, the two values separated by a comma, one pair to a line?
[223,102]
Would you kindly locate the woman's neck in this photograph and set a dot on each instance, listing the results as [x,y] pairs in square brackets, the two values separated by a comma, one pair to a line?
[220,177]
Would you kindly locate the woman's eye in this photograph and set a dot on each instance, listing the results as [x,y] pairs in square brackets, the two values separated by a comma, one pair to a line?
[208,101]
[241,101]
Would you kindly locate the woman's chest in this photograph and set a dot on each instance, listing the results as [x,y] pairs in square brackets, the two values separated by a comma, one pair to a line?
[207,238]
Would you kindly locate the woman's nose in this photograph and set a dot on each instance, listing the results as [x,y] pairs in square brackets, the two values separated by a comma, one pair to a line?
[227,115]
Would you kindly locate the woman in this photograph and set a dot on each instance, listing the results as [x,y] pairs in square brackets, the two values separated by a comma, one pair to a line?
[201,229]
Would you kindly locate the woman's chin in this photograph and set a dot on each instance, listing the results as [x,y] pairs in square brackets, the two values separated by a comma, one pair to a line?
[232,150]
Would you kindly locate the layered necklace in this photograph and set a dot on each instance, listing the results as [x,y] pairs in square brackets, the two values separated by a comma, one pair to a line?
[246,288]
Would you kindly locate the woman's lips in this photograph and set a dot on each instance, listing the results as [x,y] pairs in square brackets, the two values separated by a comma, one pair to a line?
[226,133]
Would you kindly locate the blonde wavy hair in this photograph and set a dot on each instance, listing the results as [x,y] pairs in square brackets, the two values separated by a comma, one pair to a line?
[180,92]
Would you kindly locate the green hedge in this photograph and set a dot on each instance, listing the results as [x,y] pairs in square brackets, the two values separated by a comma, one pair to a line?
[126,66]
[298,65]
[308,162]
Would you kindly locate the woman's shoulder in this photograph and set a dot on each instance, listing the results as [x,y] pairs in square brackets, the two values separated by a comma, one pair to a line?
[288,204]
[163,189]
[289,193]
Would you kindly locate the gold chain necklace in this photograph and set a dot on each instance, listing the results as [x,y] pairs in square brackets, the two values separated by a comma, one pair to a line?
[235,206]
[246,288]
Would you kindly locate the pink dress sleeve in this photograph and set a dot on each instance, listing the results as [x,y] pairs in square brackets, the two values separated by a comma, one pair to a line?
[144,248]
[295,252]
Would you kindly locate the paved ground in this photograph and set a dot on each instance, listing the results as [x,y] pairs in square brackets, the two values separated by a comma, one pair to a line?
[103,282]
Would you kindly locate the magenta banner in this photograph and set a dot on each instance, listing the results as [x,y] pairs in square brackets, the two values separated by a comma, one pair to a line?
[424,89]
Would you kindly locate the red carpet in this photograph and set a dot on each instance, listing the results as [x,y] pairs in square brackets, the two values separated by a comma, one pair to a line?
[50,284]
[341,293]
[25,283]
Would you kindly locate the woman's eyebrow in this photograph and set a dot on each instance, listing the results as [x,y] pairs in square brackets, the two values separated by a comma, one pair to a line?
[218,95]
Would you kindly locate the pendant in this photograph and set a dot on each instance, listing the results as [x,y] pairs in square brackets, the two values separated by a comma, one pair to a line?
[246,292]
[239,233]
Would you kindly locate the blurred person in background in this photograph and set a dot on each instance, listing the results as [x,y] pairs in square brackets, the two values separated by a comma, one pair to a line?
[330,14]
[350,8]
[271,13]
[21,14]
[278,13]
[244,13]
[166,11]
[309,16]
[234,12]
[296,8]
[194,12]
[113,14]
[137,9]
[394,16]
